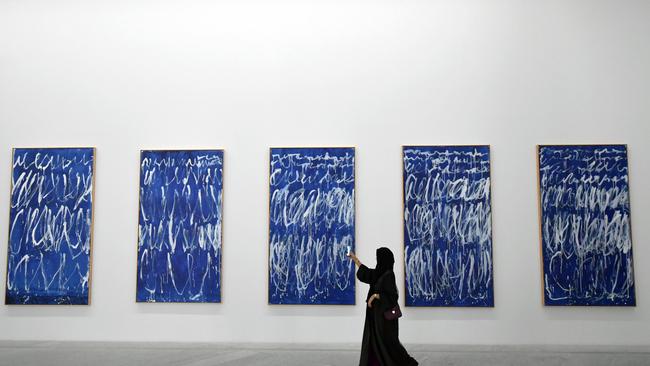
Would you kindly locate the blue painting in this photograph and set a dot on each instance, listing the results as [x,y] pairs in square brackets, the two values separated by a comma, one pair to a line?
[311,226]
[50,226]
[448,226]
[585,225]
[180,217]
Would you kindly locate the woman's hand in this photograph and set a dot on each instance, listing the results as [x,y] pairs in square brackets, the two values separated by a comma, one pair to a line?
[353,257]
[371,299]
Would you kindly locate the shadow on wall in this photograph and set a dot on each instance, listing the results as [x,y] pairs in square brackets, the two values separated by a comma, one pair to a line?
[592,313]
[48,311]
[336,311]
[180,308]
[435,313]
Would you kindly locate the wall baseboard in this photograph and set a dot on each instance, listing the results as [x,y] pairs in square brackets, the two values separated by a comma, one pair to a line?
[455,348]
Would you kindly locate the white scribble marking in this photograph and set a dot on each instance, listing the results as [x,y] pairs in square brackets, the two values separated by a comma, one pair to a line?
[448,224]
[45,222]
[587,225]
[180,222]
[309,248]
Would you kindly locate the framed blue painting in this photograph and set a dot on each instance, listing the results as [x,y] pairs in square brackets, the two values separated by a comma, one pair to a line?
[180,226]
[586,239]
[447,226]
[50,226]
[311,225]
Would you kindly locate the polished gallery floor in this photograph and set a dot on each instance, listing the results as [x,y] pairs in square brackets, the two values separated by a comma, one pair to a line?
[203,354]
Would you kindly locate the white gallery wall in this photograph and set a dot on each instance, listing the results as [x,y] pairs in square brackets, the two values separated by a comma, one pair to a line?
[245,75]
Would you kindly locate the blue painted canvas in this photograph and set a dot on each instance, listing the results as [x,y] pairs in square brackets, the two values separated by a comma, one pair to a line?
[180,217]
[448,226]
[50,224]
[585,225]
[311,226]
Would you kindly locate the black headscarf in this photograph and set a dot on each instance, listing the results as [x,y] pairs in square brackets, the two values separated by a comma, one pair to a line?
[385,262]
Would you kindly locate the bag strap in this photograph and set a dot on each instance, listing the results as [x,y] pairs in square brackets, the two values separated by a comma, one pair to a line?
[382,277]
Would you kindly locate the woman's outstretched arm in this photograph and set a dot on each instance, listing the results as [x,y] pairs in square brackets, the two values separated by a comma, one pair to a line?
[364,274]
[356,260]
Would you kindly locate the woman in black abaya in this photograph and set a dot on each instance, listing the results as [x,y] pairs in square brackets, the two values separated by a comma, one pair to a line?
[381,345]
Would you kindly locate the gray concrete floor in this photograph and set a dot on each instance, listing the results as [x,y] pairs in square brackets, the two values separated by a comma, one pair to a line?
[182,354]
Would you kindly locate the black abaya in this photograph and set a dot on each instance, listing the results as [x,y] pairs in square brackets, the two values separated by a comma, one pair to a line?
[381,336]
